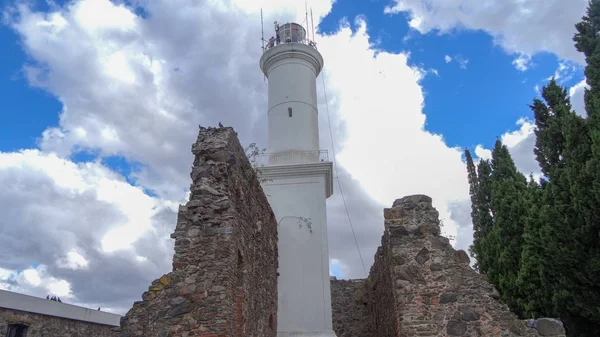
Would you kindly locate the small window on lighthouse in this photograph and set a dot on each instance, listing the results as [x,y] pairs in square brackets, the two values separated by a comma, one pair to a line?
[290,111]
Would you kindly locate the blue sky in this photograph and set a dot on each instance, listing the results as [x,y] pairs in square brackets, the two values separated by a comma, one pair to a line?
[486,98]
[135,119]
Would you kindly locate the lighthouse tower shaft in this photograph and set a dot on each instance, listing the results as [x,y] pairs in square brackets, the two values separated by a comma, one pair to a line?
[292,69]
[298,180]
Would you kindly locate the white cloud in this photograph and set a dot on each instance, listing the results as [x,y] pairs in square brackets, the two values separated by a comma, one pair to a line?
[522,62]
[482,152]
[520,143]
[72,260]
[60,288]
[56,214]
[38,282]
[388,150]
[32,277]
[512,138]
[565,72]
[577,97]
[105,186]
[523,27]
[138,88]
[462,62]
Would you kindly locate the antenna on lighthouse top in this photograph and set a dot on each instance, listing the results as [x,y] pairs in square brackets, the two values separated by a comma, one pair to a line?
[313,27]
[306,19]
[262,31]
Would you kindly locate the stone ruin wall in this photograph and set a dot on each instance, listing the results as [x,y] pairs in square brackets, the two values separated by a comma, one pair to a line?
[43,325]
[420,286]
[350,311]
[224,278]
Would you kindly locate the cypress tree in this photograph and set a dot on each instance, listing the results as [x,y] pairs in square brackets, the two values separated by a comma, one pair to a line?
[484,247]
[534,297]
[481,194]
[550,139]
[509,207]
[474,249]
[587,41]
[559,246]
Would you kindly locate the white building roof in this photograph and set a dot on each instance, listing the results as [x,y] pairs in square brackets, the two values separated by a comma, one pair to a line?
[16,301]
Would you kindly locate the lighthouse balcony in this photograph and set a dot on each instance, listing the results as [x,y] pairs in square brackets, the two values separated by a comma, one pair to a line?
[292,157]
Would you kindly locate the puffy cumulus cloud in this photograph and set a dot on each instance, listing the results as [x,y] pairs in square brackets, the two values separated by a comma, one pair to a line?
[522,27]
[386,147]
[59,217]
[520,143]
[138,87]
[483,153]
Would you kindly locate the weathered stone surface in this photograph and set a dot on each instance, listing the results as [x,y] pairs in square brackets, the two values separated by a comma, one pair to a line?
[468,314]
[423,256]
[547,326]
[224,278]
[456,328]
[434,292]
[43,326]
[350,308]
[461,257]
[448,298]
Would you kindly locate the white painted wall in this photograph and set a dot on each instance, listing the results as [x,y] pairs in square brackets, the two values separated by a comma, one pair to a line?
[16,301]
[292,70]
[304,296]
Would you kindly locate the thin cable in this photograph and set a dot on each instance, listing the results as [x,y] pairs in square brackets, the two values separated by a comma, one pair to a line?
[338,175]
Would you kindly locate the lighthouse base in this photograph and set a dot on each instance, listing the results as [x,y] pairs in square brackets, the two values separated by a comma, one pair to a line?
[328,333]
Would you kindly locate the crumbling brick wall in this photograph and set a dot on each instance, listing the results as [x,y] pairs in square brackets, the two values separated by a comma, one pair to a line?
[224,278]
[420,286]
[436,292]
[350,308]
[380,287]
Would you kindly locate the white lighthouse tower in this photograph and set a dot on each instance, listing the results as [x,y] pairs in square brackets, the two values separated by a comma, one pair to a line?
[297,180]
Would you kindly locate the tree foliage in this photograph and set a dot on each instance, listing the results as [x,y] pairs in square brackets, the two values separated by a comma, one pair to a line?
[539,241]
